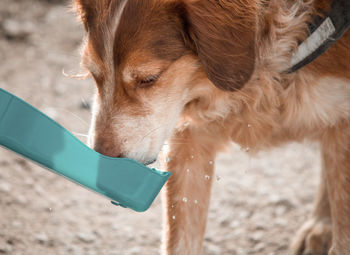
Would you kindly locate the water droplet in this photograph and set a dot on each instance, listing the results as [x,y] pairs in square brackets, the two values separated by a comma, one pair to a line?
[187,170]
[246,149]
[168,159]
[218,177]
[184,199]
[210,162]
[207,177]
[196,201]
[174,217]
[192,156]
[249,125]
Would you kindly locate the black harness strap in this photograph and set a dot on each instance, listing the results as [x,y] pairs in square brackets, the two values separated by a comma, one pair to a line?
[325,33]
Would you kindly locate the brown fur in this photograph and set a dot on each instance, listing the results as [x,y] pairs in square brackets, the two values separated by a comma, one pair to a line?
[155,63]
[223,34]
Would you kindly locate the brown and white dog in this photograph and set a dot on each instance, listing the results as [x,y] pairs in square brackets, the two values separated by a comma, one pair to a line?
[204,73]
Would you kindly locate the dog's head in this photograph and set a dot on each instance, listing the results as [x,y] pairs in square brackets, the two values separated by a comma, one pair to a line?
[151,58]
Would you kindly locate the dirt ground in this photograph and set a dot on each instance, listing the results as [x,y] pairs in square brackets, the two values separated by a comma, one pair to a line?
[258,202]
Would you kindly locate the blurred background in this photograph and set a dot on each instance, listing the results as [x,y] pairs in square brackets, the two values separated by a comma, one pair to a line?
[258,202]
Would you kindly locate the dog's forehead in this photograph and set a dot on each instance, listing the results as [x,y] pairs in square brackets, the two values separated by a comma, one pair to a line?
[135,29]
[149,26]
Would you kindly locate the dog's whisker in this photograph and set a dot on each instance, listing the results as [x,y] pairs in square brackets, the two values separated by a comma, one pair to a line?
[78,76]
[73,114]
[178,139]
[179,143]
[79,134]
[149,133]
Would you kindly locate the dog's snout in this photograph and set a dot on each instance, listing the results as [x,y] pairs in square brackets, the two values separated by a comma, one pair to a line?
[107,148]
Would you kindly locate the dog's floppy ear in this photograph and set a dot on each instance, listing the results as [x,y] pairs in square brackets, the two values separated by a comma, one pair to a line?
[222,34]
[85,10]
[93,13]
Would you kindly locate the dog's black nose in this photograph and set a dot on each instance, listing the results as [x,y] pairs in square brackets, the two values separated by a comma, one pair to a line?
[107,148]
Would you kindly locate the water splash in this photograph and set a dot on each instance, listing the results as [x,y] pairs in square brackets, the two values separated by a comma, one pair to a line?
[246,149]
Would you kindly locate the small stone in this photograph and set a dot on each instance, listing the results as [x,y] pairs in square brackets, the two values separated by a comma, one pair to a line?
[192,156]
[4,163]
[42,238]
[85,105]
[5,187]
[39,190]
[196,201]
[249,125]
[15,30]
[213,249]
[172,206]
[21,199]
[174,217]
[259,247]
[6,249]
[233,224]
[91,252]
[29,182]
[134,251]
[187,170]
[75,250]
[16,224]
[210,162]
[21,162]
[281,222]
[280,210]
[86,237]
[207,177]
[51,112]
[218,177]
[256,237]
[184,199]
[243,214]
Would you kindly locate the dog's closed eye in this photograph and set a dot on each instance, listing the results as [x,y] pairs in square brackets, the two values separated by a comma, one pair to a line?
[148,80]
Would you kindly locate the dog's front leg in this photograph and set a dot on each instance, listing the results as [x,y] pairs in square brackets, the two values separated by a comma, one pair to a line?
[187,192]
[315,236]
[336,155]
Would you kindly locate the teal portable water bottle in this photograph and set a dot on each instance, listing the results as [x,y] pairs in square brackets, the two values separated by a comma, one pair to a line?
[31,133]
